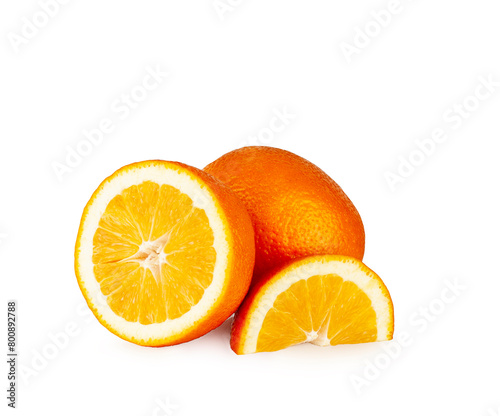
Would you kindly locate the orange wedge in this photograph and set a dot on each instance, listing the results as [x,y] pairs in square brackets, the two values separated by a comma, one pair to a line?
[323,300]
[164,253]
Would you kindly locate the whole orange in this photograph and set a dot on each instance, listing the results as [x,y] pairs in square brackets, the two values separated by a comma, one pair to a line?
[296,209]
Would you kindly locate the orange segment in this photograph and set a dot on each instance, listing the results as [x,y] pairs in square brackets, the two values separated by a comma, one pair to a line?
[324,300]
[322,306]
[352,319]
[164,253]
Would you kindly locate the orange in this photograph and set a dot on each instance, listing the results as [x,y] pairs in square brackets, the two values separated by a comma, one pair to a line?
[324,300]
[297,210]
[164,253]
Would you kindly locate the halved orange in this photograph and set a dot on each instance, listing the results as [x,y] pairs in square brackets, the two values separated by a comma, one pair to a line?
[164,253]
[324,300]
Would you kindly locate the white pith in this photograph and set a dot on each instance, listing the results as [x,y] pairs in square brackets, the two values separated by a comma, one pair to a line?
[347,270]
[150,253]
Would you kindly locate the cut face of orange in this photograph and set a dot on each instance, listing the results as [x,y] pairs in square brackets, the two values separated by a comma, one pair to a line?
[164,253]
[324,300]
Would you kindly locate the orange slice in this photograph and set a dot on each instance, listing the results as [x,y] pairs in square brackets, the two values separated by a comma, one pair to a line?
[164,253]
[324,300]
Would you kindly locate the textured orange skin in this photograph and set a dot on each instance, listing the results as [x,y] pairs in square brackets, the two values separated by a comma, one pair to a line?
[239,327]
[297,210]
[241,256]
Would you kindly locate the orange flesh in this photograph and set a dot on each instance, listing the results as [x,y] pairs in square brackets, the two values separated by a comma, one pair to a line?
[153,253]
[320,309]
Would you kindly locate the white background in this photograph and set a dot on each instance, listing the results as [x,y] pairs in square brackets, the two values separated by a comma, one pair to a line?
[353,119]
